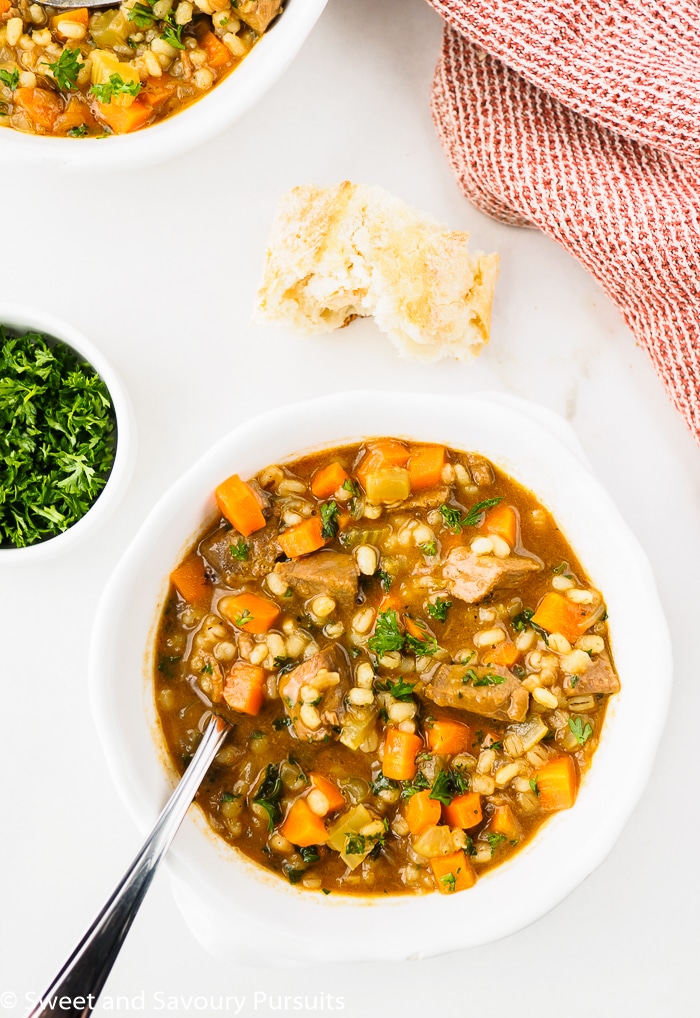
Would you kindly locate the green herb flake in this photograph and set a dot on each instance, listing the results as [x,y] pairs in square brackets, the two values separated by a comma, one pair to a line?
[495,840]
[456,522]
[450,882]
[228,797]
[57,438]
[293,875]
[244,618]
[78,131]
[490,679]
[207,669]
[429,548]
[524,619]
[325,890]
[352,486]
[534,786]
[400,690]
[239,550]
[387,635]
[10,79]
[439,609]
[419,784]
[142,14]
[354,844]
[309,853]
[279,724]
[582,731]
[269,793]
[381,784]
[447,785]
[386,580]
[66,69]
[116,85]
[329,519]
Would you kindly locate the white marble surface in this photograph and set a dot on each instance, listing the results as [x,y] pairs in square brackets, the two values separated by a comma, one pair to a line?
[159,268]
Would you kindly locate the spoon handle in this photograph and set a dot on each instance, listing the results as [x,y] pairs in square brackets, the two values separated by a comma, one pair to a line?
[83,976]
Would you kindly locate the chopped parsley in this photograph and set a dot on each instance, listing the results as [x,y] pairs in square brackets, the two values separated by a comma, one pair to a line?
[293,875]
[386,580]
[447,785]
[244,618]
[387,635]
[329,519]
[400,690]
[495,840]
[471,678]
[534,786]
[429,548]
[269,793]
[285,664]
[279,724]
[228,797]
[116,85]
[456,522]
[419,784]
[66,69]
[580,730]
[9,78]
[239,550]
[439,609]
[78,131]
[57,438]
[309,854]
[354,844]
[207,669]
[172,32]
[352,486]
[524,619]
[381,784]
[450,882]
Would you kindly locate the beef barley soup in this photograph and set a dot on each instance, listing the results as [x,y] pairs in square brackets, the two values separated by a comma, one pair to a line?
[415,662]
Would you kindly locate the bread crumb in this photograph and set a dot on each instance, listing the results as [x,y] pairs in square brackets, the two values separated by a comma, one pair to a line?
[350,251]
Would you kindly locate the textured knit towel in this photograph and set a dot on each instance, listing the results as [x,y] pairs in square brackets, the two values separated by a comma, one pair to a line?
[582,118]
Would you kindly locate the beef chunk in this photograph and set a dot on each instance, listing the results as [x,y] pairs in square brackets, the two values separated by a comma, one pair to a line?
[263,552]
[480,469]
[258,13]
[453,686]
[323,572]
[599,678]
[428,499]
[471,577]
[328,672]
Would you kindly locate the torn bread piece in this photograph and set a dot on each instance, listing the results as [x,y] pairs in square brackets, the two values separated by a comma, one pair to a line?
[350,251]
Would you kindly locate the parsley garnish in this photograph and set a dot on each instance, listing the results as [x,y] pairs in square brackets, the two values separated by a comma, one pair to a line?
[207,669]
[269,793]
[450,882]
[352,486]
[309,854]
[279,724]
[581,731]
[57,438]
[524,619]
[354,844]
[455,521]
[78,131]
[399,690]
[470,677]
[439,609]
[574,681]
[429,548]
[293,875]
[142,14]
[115,86]
[285,664]
[239,550]
[534,786]
[228,797]
[387,635]
[172,33]
[243,618]
[9,78]
[386,580]
[447,785]
[381,783]
[66,69]
[329,519]
[495,840]
[419,784]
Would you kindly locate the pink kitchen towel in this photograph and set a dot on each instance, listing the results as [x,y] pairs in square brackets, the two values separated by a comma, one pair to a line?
[582,118]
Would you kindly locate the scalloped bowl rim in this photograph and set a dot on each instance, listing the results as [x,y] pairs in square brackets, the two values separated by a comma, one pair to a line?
[233,906]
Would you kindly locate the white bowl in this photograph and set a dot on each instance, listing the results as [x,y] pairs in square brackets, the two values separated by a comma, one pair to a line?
[25,319]
[210,115]
[236,908]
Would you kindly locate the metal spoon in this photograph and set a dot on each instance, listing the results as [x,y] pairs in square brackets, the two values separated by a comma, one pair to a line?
[83,976]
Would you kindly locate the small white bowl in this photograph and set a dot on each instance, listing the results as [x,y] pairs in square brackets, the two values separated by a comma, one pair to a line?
[23,319]
[236,908]
[197,123]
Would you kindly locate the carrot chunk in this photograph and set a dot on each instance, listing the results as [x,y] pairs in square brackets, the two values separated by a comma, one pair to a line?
[400,750]
[421,811]
[556,784]
[218,55]
[448,737]
[464,811]
[331,791]
[502,520]
[243,688]
[502,654]
[124,119]
[328,479]
[41,106]
[425,466]
[190,580]
[452,872]
[302,538]
[557,614]
[503,822]
[5,6]
[302,827]
[384,453]
[251,612]
[239,503]
[76,114]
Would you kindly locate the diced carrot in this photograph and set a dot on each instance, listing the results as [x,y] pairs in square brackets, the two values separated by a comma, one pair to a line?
[425,466]
[156,91]
[335,797]
[302,538]
[452,872]
[502,520]
[502,654]
[556,784]
[124,119]
[5,6]
[400,749]
[413,629]
[329,479]
[302,827]
[75,16]
[218,55]
[557,614]
[464,811]
[420,811]
[503,822]
[240,504]
[251,612]
[390,602]
[76,114]
[448,737]
[41,106]
[344,519]
[190,580]
[385,452]
[243,688]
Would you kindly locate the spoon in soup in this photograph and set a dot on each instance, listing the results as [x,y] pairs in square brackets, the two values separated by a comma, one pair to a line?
[81,980]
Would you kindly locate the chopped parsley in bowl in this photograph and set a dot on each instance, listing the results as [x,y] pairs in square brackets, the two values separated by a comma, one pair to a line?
[58,433]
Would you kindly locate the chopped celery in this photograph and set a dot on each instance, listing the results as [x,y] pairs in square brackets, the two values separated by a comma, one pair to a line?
[357,725]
